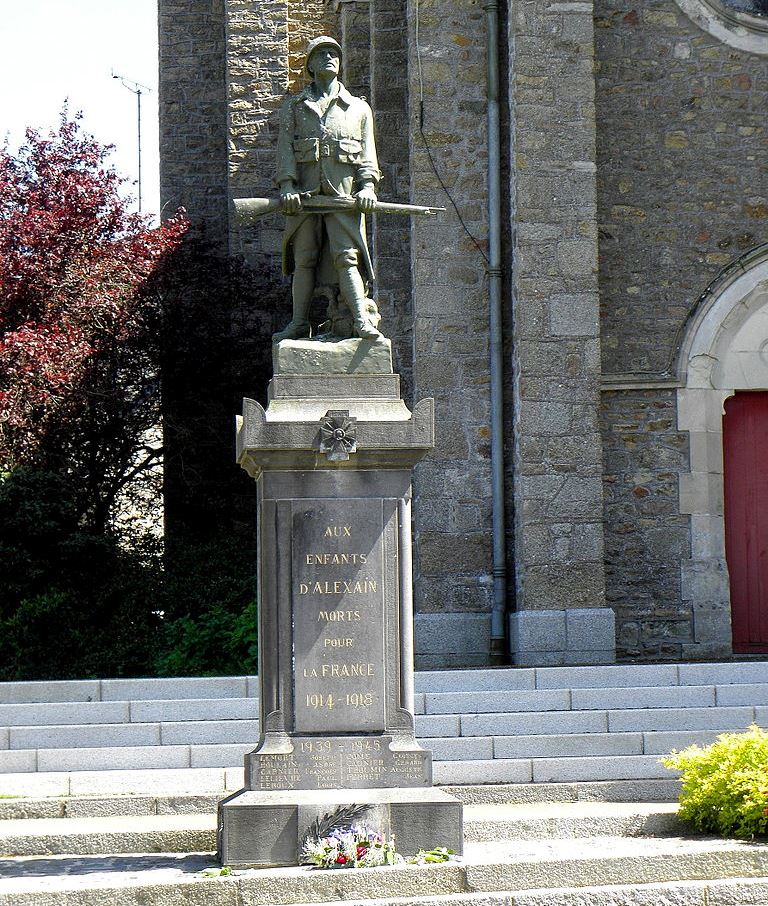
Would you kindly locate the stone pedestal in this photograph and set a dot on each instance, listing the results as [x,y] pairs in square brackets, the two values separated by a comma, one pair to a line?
[332,456]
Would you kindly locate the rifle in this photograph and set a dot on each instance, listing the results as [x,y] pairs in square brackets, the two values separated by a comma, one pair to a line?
[249,209]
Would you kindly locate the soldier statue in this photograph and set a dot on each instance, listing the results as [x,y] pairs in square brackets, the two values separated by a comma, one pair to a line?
[326,150]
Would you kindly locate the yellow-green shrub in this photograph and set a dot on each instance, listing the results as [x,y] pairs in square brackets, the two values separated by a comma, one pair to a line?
[725,784]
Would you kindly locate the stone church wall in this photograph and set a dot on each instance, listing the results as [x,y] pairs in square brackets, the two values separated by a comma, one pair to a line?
[646,536]
[193,174]
[681,185]
[681,195]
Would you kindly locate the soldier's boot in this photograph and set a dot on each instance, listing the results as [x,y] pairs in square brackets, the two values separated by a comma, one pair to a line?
[353,290]
[303,286]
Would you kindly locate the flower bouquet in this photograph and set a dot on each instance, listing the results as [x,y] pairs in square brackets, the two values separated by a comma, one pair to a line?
[352,847]
[342,840]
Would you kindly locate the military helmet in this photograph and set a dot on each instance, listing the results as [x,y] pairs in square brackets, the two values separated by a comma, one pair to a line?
[322,41]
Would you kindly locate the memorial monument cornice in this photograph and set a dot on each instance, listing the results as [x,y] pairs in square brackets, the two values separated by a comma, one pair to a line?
[265,444]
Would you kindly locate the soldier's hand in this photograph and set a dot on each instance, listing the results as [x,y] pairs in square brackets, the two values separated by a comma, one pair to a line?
[291,201]
[366,200]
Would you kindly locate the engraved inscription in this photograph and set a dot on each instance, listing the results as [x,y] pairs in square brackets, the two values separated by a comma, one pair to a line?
[366,587]
[338,619]
[341,762]
[278,772]
[335,559]
[409,767]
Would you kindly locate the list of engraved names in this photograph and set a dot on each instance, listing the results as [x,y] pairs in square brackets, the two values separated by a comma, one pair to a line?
[341,763]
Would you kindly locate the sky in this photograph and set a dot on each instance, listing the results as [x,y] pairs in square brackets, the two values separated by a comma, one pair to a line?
[57,51]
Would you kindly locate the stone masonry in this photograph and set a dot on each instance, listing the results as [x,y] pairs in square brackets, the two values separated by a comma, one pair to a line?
[446,123]
[385,60]
[193,136]
[561,614]
[354,29]
[193,123]
[681,149]
[648,537]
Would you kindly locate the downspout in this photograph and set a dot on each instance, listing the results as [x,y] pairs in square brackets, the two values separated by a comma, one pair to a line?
[499,648]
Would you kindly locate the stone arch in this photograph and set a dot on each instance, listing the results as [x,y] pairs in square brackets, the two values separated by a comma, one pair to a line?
[731,26]
[724,349]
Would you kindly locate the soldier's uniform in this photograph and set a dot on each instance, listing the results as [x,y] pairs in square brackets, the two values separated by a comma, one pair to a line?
[327,148]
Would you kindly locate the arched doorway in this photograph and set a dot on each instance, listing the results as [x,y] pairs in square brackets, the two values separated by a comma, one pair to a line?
[723,356]
[745,488]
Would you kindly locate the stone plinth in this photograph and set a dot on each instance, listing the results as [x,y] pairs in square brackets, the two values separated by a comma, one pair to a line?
[267,828]
[332,456]
[319,356]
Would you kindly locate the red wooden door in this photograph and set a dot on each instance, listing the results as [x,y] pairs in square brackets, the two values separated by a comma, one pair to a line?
[745,454]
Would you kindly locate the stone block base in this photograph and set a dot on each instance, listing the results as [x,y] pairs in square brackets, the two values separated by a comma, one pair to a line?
[547,638]
[267,828]
[447,640]
[318,357]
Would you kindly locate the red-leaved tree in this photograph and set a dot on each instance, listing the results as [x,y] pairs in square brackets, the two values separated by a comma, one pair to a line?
[79,315]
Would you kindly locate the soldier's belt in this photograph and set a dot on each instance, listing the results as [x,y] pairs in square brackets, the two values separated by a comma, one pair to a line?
[311,150]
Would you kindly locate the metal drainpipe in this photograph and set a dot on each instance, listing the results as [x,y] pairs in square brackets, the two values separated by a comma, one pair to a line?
[499,648]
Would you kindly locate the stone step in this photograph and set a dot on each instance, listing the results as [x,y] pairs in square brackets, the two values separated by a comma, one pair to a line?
[196,832]
[520,867]
[684,719]
[520,758]
[612,722]
[135,798]
[117,690]
[549,770]
[609,676]
[569,820]
[134,734]
[122,758]
[666,791]
[19,721]
[583,708]
[102,836]
[157,782]
[441,737]
[126,712]
[729,674]
[637,720]
[456,761]
[461,760]
[528,733]
[712,698]
[728,892]
[65,807]
[468,748]
[598,861]
[42,733]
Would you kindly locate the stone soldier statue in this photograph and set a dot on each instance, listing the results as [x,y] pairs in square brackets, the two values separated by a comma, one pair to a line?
[326,149]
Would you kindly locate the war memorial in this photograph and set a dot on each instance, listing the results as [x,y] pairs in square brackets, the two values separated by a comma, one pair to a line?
[332,456]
